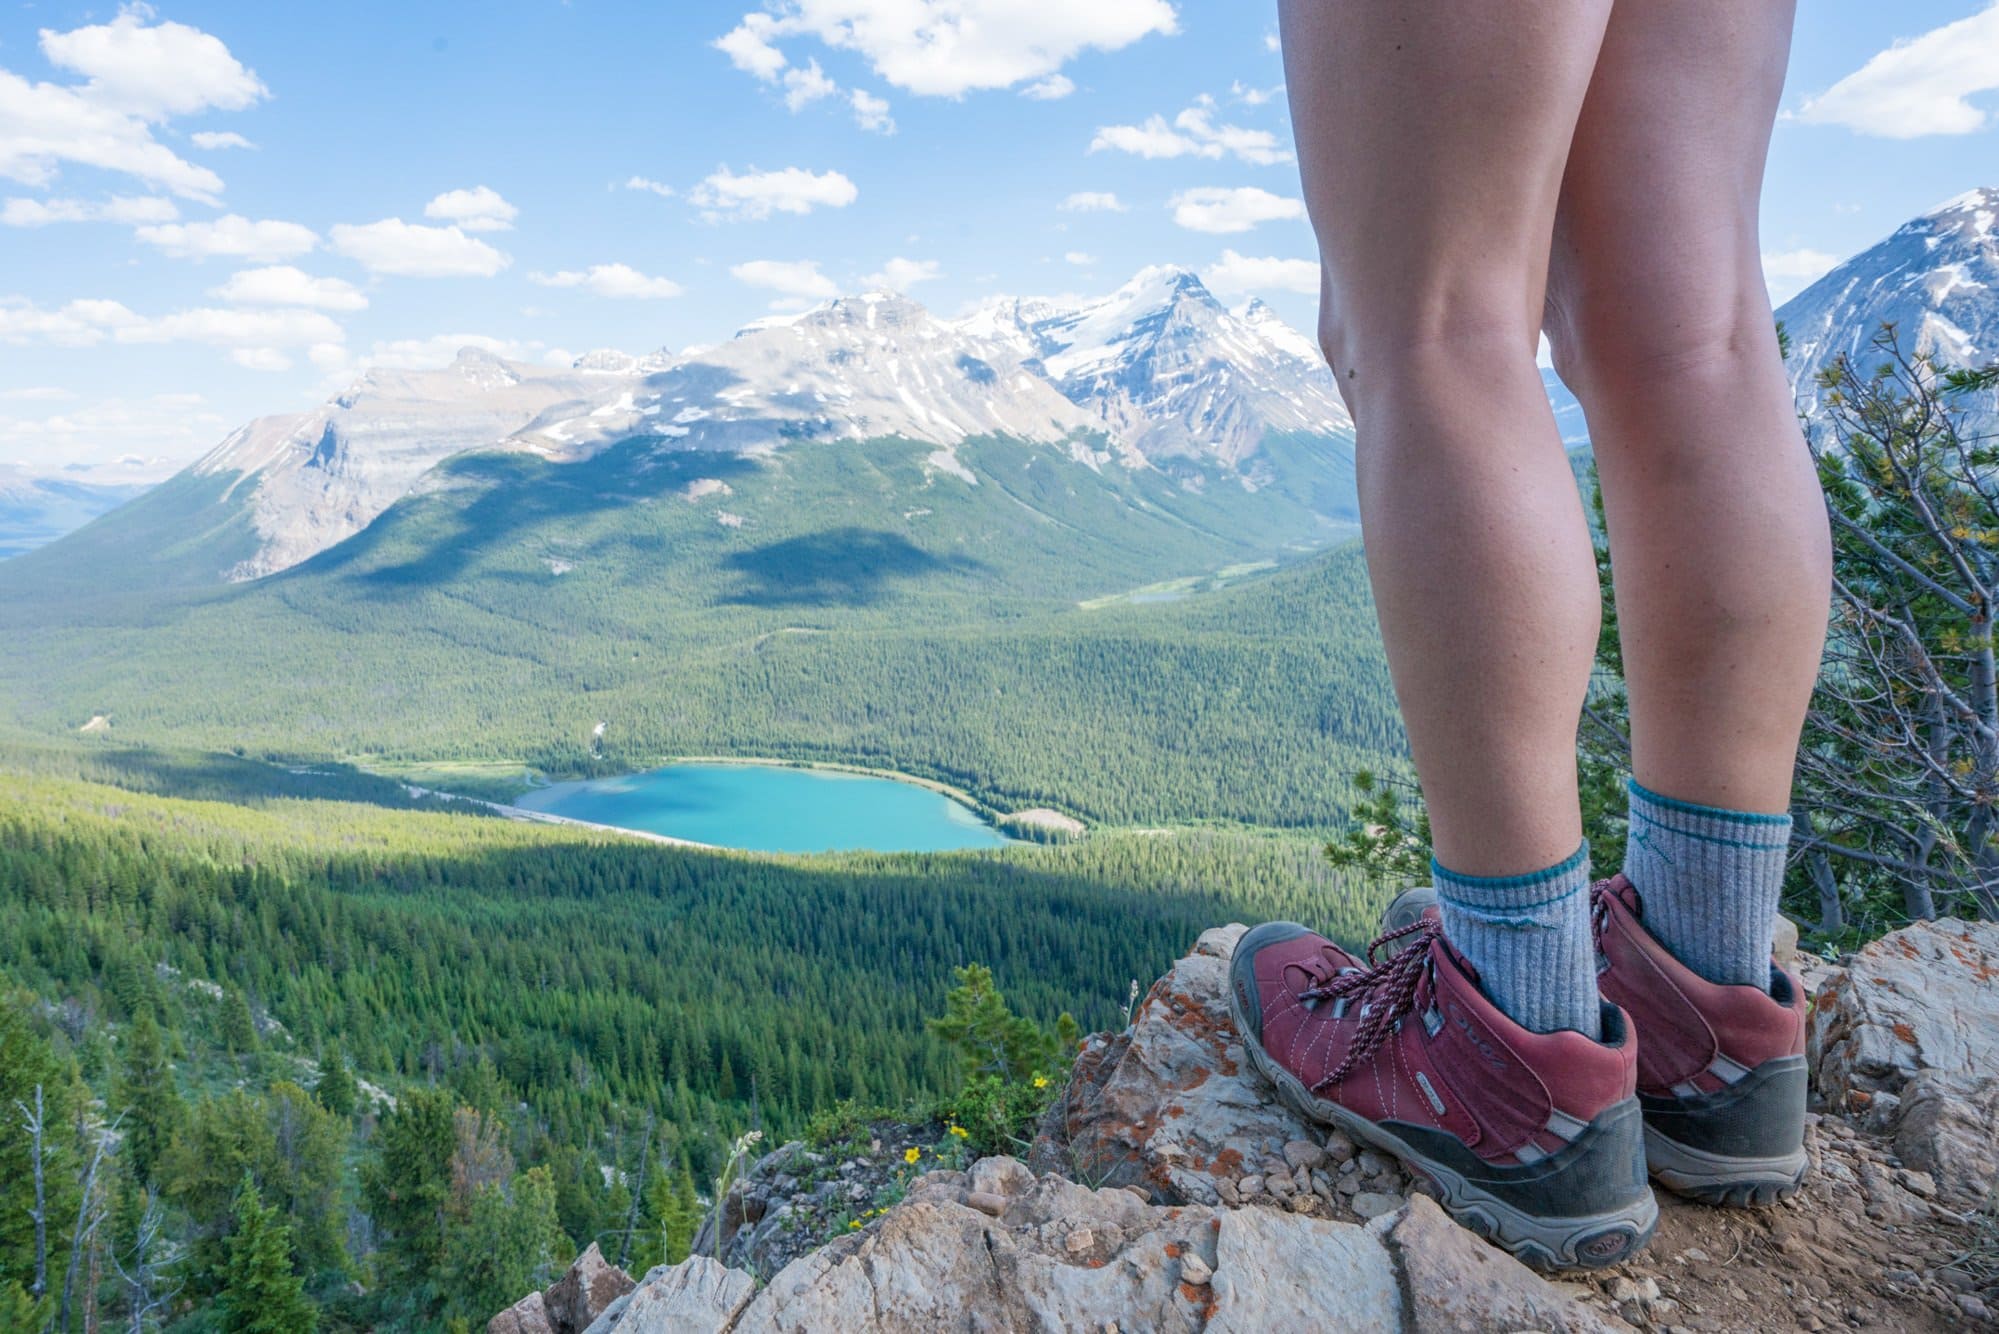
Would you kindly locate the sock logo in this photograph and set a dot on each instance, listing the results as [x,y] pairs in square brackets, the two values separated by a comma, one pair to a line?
[1644,840]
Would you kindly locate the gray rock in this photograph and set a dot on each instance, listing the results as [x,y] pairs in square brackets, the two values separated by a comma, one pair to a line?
[529,1315]
[1303,1153]
[1907,1034]
[1369,1204]
[1459,1285]
[575,1300]
[696,1296]
[1169,1101]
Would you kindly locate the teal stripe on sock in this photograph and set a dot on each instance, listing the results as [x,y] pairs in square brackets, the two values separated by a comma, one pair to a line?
[1638,789]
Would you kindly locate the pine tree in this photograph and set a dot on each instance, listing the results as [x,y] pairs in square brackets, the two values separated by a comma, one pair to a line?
[505,1247]
[990,1038]
[407,1184]
[260,1294]
[239,1028]
[149,1099]
[336,1091]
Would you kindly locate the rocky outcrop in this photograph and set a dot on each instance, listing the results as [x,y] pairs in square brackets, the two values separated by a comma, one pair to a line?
[1906,1038]
[1168,1106]
[999,1248]
[576,1299]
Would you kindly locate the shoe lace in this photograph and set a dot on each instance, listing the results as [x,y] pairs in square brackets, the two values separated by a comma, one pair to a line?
[1386,990]
[1599,910]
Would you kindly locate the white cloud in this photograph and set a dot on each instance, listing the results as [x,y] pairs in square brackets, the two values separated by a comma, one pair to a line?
[1079,258]
[443,349]
[233,235]
[166,69]
[236,328]
[1193,133]
[43,393]
[948,48]
[1234,274]
[261,359]
[749,48]
[411,250]
[1092,201]
[283,285]
[76,324]
[210,140]
[758,194]
[1051,89]
[1918,86]
[131,210]
[103,441]
[136,76]
[611,280]
[899,274]
[660,188]
[1272,44]
[1254,97]
[1217,210]
[1789,272]
[480,209]
[802,87]
[88,322]
[792,278]
[871,112]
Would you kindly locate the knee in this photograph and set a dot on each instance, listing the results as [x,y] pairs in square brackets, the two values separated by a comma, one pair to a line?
[1645,340]
[1425,346]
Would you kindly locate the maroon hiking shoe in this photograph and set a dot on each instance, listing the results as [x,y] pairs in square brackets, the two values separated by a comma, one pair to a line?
[1533,1140]
[1721,1069]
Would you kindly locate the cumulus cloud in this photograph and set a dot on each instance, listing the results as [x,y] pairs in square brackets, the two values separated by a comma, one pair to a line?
[132,210]
[802,87]
[210,140]
[899,274]
[756,195]
[283,285]
[261,336]
[871,112]
[480,209]
[1235,274]
[114,439]
[796,278]
[1218,210]
[650,186]
[1918,86]
[1079,258]
[136,75]
[1193,133]
[411,250]
[231,235]
[1092,201]
[947,48]
[1254,97]
[1788,272]
[1051,89]
[611,280]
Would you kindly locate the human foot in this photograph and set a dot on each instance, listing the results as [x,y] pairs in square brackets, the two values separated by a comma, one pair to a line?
[1721,1069]
[1533,1140]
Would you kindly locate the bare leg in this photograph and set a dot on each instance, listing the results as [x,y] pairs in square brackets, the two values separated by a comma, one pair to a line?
[1433,136]
[1662,326]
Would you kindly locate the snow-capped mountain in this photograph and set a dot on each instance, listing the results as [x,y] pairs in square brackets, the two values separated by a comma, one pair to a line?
[1158,374]
[316,478]
[1167,370]
[1936,279]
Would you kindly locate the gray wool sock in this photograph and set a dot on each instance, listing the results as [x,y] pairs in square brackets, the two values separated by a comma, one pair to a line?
[1529,938]
[1710,880]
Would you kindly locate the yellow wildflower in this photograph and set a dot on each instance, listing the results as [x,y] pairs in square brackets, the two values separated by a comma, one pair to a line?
[853,1222]
[961,1132]
[1041,1081]
[911,1154]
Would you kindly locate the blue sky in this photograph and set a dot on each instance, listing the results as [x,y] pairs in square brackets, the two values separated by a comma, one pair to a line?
[210,211]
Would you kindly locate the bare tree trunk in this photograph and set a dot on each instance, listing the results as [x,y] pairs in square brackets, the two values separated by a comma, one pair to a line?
[33,1123]
[86,1224]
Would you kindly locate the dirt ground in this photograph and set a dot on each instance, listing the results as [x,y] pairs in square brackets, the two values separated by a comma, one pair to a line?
[1863,1246]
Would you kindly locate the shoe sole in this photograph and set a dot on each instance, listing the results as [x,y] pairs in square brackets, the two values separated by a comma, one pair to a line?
[1710,1178]
[1543,1243]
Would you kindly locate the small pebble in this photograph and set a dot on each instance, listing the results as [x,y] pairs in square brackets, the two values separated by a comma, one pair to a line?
[1195,1270]
[1303,1153]
[1250,1185]
[1373,1204]
[1080,1240]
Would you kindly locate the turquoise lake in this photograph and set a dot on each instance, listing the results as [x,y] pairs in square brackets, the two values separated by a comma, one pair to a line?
[772,808]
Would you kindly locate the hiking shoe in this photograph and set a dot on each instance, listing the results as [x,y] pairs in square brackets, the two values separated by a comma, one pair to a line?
[1721,1069]
[1533,1140]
